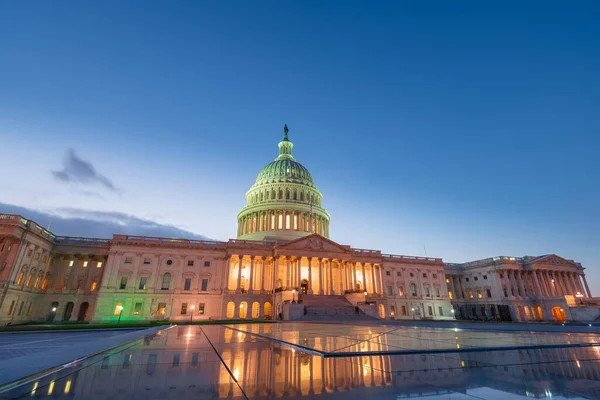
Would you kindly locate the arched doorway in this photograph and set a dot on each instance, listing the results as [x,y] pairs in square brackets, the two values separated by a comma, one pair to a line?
[83,311]
[279,316]
[304,286]
[267,310]
[230,310]
[381,311]
[52,313]
[243,310]
[358,285]
[68,311]
[255,310]
[559,314]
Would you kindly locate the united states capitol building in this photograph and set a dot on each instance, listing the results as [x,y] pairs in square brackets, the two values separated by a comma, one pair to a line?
[282,265]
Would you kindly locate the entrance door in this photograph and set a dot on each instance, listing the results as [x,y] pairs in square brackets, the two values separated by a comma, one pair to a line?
[68,311]
[304,286]
[82,311]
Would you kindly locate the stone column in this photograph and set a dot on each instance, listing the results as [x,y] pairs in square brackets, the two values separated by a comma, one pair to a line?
[587,288]
[288,270]
[71,273]
[275,274]
[239,280]
[536,284]
[453,288]
[572,283]
[373,279]
[263,271]
[364,280]
[321,291]
[310,281]
[330,285]
[251,277]
[298,273]
[579,284]
[380,279]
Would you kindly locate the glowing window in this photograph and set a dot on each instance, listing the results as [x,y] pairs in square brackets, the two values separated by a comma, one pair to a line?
[162,307]
[93,287]
[37,256]
[85,263]
[450,295]
[280,222]
[118,308]
[287,222]
[37,282]
[45,283]
[71,263]
[470,294]
[20,280]
[29,278]
[296,222]
[45,259]
[479,295]
[99,264]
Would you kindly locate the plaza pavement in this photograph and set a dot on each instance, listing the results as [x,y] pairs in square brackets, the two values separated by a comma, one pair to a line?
[27,353]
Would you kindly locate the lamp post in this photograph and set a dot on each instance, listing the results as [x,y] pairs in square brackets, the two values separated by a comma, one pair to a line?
[365,293]
[413,313]
[192,314]
[120,313]
[453,316]
[53,315]
[293,296]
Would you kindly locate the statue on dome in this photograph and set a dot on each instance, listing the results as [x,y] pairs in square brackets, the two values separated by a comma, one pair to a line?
[285,133]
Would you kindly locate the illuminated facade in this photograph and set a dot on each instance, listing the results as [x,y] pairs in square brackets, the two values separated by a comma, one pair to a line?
[282,265]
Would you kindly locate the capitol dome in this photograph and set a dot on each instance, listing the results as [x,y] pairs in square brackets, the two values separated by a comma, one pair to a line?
[283,203]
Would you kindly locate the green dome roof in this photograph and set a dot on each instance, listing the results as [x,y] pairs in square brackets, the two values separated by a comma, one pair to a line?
[284,170]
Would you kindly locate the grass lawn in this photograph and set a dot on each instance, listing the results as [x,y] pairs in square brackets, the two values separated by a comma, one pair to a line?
[122,325]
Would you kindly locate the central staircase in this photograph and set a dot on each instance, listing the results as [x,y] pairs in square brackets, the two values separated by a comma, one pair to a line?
[331,308]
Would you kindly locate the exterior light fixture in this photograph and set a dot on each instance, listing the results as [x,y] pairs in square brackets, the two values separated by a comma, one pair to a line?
[120,308]
[192,313]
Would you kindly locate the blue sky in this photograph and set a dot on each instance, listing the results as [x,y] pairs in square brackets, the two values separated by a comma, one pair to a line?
[458,130]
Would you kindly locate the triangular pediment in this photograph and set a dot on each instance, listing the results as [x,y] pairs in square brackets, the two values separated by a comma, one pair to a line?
[552,259]
[314,242]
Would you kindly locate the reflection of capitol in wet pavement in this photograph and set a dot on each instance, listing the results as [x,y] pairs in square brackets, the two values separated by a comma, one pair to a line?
[180,363]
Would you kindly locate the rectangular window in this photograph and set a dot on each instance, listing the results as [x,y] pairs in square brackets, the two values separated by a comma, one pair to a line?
[434,276]
[190,263]
[393,310]
[204,285]
[437,292]
[441,311]
[207,263]
[501,276]
[146,260]
[403,310]
[489,293]
[430,310]
[118,308]
[476,278]
[37,256]
[123,284]
[387,273]
[71,263]
[10,309]
[424,275]
[51,261]
[137,310]
[470,294]
[28,309]
[85,263]
[45,259]
[187,284]
[29,253]
[479,295]
[398,273]
[450,295]
[183,308]
[93,286]
[142,285]
[127,260]
[195,359]
[162,307]
[485,277]
[99,264]
[401,291]
[176,358]
[466,279]
[390,290]
[427,291]
[201,309]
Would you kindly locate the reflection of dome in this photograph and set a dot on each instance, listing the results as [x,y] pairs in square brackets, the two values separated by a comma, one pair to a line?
[284,202]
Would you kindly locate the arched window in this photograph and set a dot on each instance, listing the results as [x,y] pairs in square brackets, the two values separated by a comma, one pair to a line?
[20,279]
[295,195]
[166,281]
[287,194]
[29,278]
[255,310]
[413,289]
[267,310]
[261,196]
[230,310]
[301,196]
[280,194]
[243,310]
[37,281]
[45,282]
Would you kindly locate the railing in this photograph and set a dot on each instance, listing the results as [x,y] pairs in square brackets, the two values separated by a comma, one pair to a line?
[152,239]
[285,289]
[367,252]
[411,258]
[81,240]
[352,291]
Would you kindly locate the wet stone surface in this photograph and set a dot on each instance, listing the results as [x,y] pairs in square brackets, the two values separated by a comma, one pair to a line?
[341,361]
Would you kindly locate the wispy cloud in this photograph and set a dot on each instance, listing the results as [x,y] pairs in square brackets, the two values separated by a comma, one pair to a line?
[77,170]
[100,224]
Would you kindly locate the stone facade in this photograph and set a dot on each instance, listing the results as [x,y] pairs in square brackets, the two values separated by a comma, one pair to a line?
[282,255]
